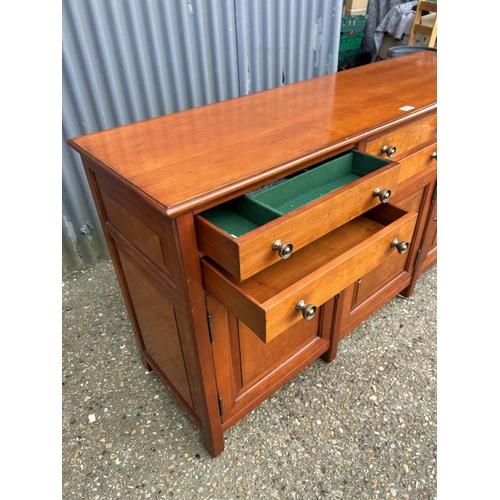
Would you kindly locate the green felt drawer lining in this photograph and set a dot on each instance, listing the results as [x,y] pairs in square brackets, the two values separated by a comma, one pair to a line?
[241,215]
[248,212]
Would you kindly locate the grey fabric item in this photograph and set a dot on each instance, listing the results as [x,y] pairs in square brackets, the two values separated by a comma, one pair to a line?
[389,16]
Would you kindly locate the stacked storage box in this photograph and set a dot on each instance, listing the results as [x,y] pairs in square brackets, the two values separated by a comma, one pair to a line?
[355,7]
[351,36]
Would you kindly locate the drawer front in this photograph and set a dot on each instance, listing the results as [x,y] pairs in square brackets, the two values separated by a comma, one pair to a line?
[404,139]
[252,252]
[267,302]
[418,163]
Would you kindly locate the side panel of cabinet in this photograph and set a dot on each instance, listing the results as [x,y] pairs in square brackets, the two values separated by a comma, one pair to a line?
[371,291]
[154,310]
[142,246]
[248,370]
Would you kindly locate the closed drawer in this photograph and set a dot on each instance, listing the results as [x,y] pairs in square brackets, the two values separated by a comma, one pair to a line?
[405,139]
[267,302]
[243,235]
[418,162]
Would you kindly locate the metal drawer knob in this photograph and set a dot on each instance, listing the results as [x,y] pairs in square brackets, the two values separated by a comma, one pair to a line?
[434,155]
[401,246]
[383,194]
[308,310]
[284,249]
[390,151]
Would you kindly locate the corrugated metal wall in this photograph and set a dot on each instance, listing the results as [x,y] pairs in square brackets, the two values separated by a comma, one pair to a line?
[128,60]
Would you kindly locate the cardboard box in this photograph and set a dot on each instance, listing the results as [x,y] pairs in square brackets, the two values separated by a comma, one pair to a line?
[387,42]
[355,5]
[357,12]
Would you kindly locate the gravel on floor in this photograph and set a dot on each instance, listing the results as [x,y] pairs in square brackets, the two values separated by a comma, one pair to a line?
[361,427]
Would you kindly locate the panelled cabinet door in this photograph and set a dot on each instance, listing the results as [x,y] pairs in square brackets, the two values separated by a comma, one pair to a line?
[247,370]
[372,290]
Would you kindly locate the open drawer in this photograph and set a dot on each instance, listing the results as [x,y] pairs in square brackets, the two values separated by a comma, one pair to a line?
[254,231]
[292,290]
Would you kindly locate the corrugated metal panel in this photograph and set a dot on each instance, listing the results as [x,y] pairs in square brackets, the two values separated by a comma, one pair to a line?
[286,41]
[128,60]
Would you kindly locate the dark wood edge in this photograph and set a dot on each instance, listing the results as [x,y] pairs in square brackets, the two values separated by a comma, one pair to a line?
[336,304]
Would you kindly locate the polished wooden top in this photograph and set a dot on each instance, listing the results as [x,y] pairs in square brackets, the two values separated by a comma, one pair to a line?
[189,159]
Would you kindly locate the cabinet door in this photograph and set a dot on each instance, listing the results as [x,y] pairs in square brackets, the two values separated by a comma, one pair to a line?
[247,370]
[426,255]
[428,252]
[372,290]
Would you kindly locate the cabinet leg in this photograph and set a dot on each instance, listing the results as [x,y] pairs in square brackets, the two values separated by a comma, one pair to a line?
[331,354]
[148,367]
[408,291]
[213,444]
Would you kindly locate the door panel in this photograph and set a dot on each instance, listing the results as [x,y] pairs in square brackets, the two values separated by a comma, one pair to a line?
[373,289]
[248,370]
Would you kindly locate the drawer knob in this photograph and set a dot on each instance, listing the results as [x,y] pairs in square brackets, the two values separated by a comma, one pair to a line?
[401,246]
[284,249]
[434,155]
[383,194]
[308,310]
[390,151]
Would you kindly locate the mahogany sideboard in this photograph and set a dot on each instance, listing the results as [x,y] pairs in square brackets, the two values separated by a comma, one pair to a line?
[249,236]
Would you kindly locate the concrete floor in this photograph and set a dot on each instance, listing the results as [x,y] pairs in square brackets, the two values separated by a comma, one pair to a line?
[361,427]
